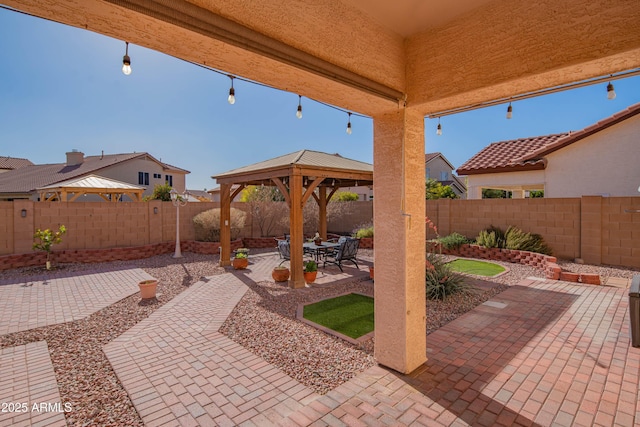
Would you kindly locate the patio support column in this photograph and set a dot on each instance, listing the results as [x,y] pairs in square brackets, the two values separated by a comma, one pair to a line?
[296,229]
[225,224]
[322,212]
[399,212]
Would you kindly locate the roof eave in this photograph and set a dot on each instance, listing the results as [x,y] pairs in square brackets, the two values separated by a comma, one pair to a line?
[538,165]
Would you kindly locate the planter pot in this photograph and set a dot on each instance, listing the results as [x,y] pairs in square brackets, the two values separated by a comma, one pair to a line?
[148,288]
[310,277]
[240,263]
[318,242]
[280,274]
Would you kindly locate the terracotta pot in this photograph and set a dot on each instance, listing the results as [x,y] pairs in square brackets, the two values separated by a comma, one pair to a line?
[318,242]
[148,288]
[280,274]
[310,277]
[240,263]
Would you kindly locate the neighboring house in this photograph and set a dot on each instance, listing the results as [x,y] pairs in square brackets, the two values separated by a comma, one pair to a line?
[439,168]
[201,195]
[602,159]
[10,163]
[134,168]
[214,194]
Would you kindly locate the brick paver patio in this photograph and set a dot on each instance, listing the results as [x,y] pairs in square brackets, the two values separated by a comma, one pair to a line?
[42,302]
[33,399]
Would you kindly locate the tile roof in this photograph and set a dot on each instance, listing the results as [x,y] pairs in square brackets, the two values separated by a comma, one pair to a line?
[28,178]
[430,156]
[528,153]
[14,163]
[507,155]
[306,158]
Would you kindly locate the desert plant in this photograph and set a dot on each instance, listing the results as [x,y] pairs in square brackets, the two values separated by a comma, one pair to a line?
[441,281]
[207,224]
[453,241]
[345,196]
[266,207]
[46,239]
[160,192]
[241,255]
[364,230]
[310,213]
[518,239]
[492,237]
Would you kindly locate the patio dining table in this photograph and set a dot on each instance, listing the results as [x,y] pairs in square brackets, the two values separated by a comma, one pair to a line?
[317,250]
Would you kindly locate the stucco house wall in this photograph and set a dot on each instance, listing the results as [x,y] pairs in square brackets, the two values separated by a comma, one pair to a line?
[526,180]
[606,163]
[128,172]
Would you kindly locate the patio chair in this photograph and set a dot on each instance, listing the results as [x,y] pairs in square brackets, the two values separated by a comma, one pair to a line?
[347,251]
[284,249]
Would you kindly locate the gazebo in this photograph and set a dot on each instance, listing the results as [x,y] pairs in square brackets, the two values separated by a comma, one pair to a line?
[298,176]
[108,189]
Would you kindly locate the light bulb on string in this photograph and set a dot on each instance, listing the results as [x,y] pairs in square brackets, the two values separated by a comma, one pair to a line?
[349,125]
[439,128]
[299,112]
[232,93]
[509,111]
[126,61]
[611,93]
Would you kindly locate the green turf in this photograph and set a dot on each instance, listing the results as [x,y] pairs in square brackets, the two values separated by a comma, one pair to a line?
[478,268]
[351,315]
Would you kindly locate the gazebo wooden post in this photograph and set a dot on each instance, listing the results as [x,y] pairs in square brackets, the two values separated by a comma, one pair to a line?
[322,212]
[225,224]
[296,229]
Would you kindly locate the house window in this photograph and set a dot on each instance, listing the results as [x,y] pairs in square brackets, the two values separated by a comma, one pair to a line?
[428,173]
[143,178]
[169,180]
[157,175]
[444,176]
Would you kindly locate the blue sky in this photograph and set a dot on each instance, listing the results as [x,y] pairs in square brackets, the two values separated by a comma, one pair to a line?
[61,88]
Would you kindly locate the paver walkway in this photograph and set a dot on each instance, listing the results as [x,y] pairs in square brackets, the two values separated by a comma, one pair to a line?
[42,302]
[539,354]
[29,400]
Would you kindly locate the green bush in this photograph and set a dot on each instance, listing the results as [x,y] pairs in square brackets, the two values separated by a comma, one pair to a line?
[453,241]
[513,238]
[518,239]
[441,280]
[207,224]
[365,230]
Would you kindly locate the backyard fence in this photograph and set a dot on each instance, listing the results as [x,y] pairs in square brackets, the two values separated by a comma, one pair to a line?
[600,230]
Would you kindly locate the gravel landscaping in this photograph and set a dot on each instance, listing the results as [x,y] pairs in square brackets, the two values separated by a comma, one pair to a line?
[264,322]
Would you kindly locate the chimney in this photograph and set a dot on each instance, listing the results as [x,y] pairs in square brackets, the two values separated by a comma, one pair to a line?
[75,157]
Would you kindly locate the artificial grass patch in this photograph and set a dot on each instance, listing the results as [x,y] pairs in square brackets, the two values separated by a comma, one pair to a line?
[351,315]
[478,268]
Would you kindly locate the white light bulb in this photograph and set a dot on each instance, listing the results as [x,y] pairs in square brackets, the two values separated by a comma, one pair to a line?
[349,128]
[439,130]
[611,94]
[232,96]
[126,69]
[509,112]
[299,112]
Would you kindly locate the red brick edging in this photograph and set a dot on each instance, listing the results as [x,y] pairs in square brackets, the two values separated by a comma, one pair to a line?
[111,254]
[547,263]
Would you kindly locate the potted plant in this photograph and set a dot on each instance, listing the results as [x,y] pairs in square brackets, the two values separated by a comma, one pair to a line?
[242,251]
[241,261]
[310,271]
[317,239]
[148,288]
[47,239]
[280,274]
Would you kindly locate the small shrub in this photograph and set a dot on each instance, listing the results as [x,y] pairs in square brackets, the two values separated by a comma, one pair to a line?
[518,239]
[492,237]
[310,266]
[364,230]
[47,239]
[441,281]
[207,224]
[453,241]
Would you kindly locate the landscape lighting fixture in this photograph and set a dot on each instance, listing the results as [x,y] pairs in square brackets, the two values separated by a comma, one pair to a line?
[509,111]
[126,61]
[232,93]
[299,112]
[439,128]
[349,125]
[611,94]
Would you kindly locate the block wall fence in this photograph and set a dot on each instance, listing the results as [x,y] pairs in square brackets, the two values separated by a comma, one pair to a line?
[600,230]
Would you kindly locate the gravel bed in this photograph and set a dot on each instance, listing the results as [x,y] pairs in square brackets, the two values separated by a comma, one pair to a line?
[85,377]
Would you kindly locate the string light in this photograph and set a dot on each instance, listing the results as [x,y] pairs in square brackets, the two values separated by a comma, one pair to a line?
[611,94]
[232,93]
[509,111]
[349,124]
[439,128]
[126,61]
[299,112]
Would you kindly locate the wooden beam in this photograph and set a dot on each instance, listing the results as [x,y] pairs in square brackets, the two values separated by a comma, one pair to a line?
[283,190]
[322,212]
[296,229]
[225,224]
[309,191]
[236,192]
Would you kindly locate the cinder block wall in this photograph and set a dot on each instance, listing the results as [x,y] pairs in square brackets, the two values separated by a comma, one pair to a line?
[600,230]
